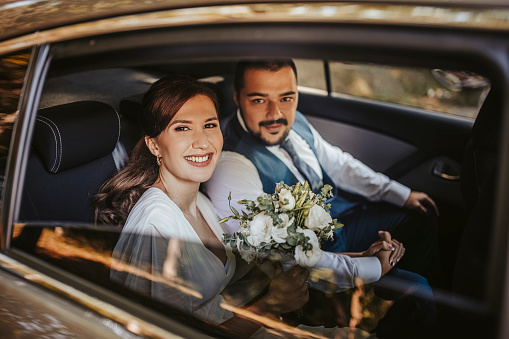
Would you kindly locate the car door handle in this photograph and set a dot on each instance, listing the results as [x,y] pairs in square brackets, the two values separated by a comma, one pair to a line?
[445,171]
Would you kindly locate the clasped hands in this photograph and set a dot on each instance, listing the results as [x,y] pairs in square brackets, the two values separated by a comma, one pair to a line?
[389,251]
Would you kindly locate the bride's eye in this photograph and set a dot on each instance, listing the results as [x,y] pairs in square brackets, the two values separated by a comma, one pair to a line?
[182,128]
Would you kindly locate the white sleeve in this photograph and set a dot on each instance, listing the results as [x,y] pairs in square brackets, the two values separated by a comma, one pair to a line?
[237,175]
[343,270]
[353,176]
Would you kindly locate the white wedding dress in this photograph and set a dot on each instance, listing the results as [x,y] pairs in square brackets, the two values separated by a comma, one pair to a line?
[156,235]
[160,255]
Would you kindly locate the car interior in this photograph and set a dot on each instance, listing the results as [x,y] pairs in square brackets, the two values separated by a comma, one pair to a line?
[86,127]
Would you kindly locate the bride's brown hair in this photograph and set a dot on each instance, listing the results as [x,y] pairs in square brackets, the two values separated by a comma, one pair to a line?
[161,102]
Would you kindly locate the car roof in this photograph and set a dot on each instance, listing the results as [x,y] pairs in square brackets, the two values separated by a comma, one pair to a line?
[26,16]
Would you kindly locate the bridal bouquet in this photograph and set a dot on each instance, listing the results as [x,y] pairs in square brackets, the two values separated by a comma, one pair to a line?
[292,221]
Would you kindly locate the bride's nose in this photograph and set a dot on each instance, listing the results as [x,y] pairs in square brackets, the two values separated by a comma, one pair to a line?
[200,140]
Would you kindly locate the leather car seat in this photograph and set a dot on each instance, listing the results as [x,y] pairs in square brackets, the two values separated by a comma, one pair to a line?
[76,147]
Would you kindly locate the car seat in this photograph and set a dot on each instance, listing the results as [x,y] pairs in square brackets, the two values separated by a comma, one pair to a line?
[76,147]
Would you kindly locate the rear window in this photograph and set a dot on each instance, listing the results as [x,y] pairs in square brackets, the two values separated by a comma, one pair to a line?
[455,92]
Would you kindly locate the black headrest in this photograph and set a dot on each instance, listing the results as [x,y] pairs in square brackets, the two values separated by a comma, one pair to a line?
[73,134]
[130,106]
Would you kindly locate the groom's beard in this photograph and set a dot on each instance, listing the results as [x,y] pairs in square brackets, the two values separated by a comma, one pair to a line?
[258,135]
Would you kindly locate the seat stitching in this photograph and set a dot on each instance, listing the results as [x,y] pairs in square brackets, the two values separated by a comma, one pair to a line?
[118,117]
[60,144]
[56,142]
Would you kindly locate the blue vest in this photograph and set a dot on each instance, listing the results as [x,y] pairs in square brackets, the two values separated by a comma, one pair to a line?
[272,170]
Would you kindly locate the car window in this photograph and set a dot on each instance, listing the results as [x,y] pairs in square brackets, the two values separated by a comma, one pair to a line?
[311,74]
[455,92]
[60,181]
[12,72]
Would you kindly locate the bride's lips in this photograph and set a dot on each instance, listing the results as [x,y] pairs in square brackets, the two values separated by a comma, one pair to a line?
[199,160]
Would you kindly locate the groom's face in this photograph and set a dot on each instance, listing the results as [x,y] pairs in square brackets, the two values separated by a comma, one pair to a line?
[268,102]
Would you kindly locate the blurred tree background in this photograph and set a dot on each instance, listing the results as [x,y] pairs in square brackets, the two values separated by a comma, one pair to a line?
[455,92]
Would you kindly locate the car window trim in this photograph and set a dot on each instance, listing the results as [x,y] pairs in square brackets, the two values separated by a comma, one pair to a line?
[20,140]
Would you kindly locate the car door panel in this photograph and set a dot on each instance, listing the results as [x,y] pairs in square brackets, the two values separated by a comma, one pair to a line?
[347,137]
[406,144]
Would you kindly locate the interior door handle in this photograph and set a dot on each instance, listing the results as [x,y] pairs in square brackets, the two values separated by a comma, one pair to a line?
[445,171]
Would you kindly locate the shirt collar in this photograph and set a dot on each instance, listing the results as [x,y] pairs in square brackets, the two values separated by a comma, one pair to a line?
[241,120]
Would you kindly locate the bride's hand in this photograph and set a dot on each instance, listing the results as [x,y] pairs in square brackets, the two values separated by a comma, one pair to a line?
[288,290]
[397,254]
[398,250]
[378,246]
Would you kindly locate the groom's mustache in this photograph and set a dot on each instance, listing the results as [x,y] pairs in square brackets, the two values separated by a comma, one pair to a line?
[271,122]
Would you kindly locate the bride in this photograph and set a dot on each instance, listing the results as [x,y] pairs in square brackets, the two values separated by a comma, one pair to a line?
[157,196]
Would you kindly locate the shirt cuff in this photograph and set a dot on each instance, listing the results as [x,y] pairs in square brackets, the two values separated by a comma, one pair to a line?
[397,194]
[368,269]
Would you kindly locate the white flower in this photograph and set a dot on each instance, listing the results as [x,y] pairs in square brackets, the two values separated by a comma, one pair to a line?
[279,234]
[286,195]
[311,257]
[317,219]
[247,254]
[261,227]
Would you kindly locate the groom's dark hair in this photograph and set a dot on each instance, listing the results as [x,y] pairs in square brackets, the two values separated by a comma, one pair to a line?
[268,65]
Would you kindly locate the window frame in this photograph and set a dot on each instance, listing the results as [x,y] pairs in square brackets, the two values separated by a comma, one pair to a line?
[23,127]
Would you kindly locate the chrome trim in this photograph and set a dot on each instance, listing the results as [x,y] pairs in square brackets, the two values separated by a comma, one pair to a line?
[131,323]
[366,13]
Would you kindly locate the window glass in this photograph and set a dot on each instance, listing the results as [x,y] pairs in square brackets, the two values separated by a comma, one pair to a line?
[311,75]
[454,92]
[176,276]
[12,72]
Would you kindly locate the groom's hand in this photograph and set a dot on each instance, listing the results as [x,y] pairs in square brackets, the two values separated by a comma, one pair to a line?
[421,203]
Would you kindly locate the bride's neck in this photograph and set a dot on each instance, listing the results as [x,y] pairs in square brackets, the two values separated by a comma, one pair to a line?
[184,195]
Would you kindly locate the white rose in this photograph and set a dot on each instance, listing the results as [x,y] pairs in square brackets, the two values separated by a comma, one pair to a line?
[261,227]
[279,233]
[308,258]
[318,218]
[286,194]
[249,254]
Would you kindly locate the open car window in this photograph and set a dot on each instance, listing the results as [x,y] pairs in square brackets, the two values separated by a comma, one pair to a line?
[86,126]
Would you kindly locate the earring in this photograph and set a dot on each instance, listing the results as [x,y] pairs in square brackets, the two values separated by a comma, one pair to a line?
[158,160]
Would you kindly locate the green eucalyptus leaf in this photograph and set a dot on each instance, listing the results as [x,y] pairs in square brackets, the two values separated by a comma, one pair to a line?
[292,241]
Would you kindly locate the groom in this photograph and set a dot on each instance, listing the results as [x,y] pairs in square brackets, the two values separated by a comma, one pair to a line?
[268,141]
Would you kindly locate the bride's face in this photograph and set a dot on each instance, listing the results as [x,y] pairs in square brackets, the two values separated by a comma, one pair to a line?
[191,144]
